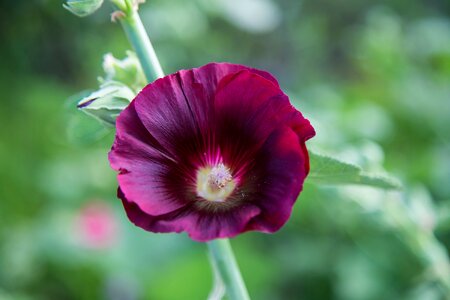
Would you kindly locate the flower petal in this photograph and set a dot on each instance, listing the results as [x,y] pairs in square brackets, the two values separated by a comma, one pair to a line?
[178,111]
[276,179]
[248,109]
[272,188]
[211,74]
[141,166]
[200,226]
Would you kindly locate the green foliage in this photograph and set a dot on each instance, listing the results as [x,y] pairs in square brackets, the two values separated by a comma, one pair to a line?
[328,170]
[107,103]
[120,84]
[127,71]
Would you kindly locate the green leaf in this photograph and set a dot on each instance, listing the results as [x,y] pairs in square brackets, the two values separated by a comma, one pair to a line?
[83,129]
[329,170]
[107,103]
[83,8]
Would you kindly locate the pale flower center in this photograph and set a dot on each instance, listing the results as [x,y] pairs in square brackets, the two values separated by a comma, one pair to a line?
[215,183]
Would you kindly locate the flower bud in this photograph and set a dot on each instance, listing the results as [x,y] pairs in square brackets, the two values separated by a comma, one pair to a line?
[82,8]
[128,71]
[107,103]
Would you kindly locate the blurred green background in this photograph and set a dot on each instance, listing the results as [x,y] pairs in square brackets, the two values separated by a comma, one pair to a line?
[372,76]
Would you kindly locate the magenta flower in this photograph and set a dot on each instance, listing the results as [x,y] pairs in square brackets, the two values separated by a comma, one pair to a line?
[214,151]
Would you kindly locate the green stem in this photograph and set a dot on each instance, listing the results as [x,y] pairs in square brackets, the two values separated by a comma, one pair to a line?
[226,264]
[138,37]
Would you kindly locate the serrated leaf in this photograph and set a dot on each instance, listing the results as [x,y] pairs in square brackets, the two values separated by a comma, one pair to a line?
[328,170]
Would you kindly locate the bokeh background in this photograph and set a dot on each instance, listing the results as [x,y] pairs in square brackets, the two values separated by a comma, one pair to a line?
[372,76]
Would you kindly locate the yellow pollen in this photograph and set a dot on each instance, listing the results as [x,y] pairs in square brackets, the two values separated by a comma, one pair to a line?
[216,183]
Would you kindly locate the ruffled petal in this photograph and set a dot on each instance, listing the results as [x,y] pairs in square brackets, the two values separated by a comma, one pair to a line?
[141,165]
[248,109]
[178,110]
[166,113]
[211,74]
[272,186]
[200,225]
[276,179]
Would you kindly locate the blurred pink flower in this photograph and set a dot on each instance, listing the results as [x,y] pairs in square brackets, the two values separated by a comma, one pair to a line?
[96,226]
